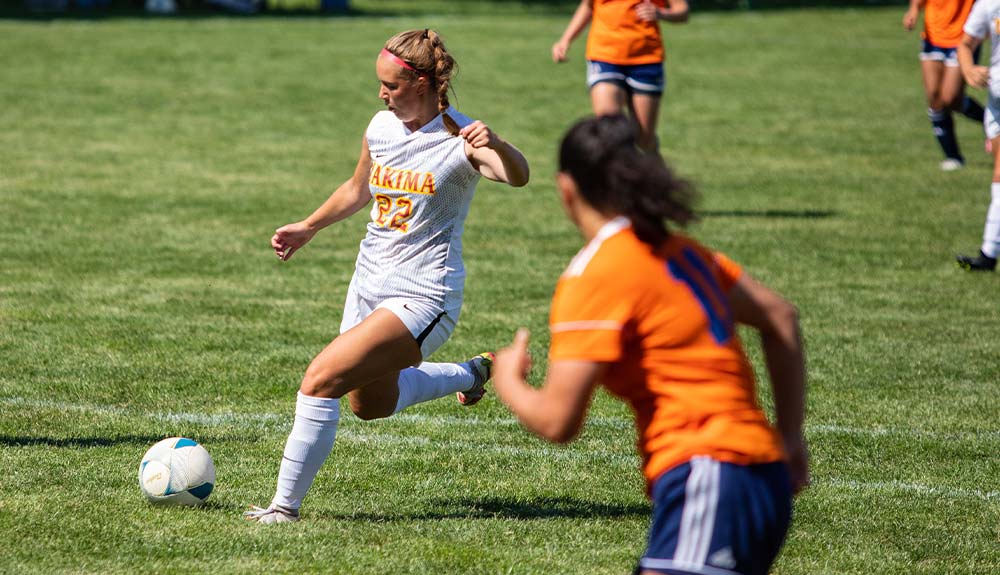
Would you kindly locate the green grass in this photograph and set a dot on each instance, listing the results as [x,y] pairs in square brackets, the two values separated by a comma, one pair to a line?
[146,162]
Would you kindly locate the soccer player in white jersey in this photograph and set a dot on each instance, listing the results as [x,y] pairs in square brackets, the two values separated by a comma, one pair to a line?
[984,20]
[420,162]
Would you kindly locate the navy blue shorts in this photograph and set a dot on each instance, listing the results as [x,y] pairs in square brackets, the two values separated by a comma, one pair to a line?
[716,518]
[639,79]
[949,56]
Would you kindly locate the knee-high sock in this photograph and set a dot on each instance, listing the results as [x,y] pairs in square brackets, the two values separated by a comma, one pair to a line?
[308,446]
[991,232]
[972,109]
[430,381]
[944,131]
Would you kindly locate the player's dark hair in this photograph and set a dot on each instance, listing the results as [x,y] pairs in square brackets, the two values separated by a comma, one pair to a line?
[425,51]
[615,176]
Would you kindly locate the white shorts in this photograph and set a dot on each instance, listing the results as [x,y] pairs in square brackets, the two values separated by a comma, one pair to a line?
[430,324]
[991,119]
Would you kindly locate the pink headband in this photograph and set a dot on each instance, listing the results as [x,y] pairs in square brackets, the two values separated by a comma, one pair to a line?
[397,60]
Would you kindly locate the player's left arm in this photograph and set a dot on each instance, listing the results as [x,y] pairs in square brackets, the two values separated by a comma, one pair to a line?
[556,410]
[978,76]
[494,157]
[676,11]
[777,321]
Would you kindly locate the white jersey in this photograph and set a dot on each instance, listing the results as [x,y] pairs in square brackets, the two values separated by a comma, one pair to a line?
[422,183]
[984,23]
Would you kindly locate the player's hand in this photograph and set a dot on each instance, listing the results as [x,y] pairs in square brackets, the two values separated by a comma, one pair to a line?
[478,135]
[647,11]
[798,462]
[910,19]
[512,364]
[288,239]
[978,76]
[559,50]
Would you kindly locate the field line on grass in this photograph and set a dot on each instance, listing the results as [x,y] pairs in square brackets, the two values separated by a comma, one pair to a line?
[911,488]
[262,419]
[624,457]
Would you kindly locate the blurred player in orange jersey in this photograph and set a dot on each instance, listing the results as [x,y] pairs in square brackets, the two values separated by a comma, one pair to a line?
[624,56]
[943,20]
[651,315]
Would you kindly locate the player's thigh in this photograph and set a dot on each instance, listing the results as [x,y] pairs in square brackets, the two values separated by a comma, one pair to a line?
[375,348]
[991,124]
[933,72]
[607,98]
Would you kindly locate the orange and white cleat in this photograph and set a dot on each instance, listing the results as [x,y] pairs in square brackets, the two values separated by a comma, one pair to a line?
[481,367]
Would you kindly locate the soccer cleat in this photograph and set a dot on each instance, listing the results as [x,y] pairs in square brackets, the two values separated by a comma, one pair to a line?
[481,367]
[951,164]
[978,263]
[273,514]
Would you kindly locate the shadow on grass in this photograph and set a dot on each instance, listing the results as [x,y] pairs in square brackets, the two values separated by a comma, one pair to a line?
[772,214]
[500,508]
[110,441]
[24,441]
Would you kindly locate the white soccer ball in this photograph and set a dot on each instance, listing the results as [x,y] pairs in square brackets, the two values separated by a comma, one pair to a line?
[178,471]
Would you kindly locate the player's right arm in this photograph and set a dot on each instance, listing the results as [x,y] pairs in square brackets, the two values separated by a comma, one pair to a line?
[777,321]
[347,199]
[978,76]
[910,18]
[577,23]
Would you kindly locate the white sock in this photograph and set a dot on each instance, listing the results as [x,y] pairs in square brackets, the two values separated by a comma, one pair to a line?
[991,232]
[430,381]
[308,446]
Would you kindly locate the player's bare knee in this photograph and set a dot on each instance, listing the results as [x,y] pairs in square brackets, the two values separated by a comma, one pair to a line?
[318,382]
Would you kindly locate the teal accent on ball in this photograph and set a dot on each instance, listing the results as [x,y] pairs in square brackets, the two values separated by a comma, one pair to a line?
[185,442]
[202,491]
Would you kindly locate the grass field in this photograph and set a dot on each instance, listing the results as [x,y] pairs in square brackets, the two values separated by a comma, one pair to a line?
[144,164]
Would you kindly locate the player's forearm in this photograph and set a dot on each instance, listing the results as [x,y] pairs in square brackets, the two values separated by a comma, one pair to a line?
[964,52]
[785,359]
[538,409]
[344,202]
[578,22]
[515,170]
[676,12]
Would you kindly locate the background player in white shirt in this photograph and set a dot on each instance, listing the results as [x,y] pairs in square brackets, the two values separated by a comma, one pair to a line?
[984,19]
[420,161]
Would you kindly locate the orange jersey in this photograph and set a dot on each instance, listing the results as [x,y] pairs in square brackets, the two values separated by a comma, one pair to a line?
[661,320]
[943,21]
[617,36]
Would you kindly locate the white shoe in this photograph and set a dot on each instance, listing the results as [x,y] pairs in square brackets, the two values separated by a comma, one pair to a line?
[951,164]
[273,514]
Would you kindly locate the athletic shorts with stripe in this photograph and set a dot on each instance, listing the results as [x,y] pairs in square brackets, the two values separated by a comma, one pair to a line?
[949,56]
[429,323]
[715,518]
[640,79]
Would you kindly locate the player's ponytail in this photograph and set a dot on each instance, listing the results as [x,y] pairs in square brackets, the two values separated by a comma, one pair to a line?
[425,52]
[615,176]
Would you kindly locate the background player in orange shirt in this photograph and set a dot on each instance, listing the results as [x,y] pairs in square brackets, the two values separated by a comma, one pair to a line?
[624,56]
[650,314]
[943,83]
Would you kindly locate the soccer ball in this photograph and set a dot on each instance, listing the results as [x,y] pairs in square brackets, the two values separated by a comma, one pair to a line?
[177,471]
